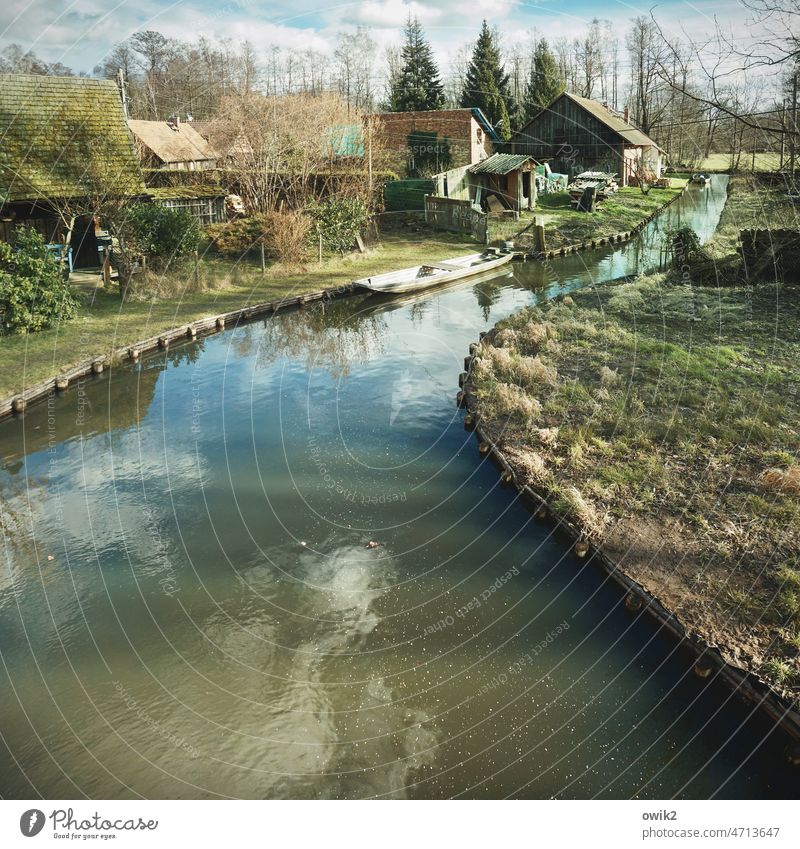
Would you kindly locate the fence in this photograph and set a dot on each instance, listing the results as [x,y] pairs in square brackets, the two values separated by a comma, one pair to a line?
[406,195]
[207,210]
[458,216]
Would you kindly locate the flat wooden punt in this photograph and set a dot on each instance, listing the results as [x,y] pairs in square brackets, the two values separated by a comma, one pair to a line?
[430,274]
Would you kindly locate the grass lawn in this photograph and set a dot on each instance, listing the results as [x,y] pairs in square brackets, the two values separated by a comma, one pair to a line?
[104,324]
[722,162]
[566,226]
[662,418]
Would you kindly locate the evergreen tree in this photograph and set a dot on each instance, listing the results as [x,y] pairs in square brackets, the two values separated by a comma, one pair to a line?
[417,86]
[545,83]
[486,84]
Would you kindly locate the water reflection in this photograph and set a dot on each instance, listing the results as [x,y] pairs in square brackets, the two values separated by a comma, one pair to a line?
[212,623]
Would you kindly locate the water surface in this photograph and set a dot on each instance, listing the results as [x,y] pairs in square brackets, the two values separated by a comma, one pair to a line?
[188,608]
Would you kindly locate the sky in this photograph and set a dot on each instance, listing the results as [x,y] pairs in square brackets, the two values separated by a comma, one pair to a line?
[79,33]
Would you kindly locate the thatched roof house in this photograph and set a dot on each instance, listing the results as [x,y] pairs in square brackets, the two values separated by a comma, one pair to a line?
[172,146]
[59,136]
[65,150]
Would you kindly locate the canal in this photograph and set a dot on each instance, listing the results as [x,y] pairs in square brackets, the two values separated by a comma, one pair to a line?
[188,606]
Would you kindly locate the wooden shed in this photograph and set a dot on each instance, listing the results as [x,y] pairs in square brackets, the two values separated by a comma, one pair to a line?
[578,134]
[504,181]
[418,144]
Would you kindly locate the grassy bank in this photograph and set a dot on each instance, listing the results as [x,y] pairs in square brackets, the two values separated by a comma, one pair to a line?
[103,323]
[565,226]
[662,418]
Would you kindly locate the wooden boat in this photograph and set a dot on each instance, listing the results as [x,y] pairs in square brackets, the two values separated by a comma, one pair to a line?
[387,301]
[424,276]
[701,179]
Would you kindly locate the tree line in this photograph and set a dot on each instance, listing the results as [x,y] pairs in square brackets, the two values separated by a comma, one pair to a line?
[680,91]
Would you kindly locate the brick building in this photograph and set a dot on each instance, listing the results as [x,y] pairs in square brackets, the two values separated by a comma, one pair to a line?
[419,144]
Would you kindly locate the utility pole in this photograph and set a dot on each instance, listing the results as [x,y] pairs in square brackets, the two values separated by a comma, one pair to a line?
[783,134]
[122,93]
[793,136]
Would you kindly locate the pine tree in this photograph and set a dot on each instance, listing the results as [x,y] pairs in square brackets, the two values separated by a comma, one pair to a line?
[417,86]
[486,84]
[545,83]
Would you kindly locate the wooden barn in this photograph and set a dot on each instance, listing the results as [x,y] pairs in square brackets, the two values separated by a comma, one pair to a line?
[578,134]
[64,145]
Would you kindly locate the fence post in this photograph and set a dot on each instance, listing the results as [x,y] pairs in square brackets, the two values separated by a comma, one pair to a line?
[263,260]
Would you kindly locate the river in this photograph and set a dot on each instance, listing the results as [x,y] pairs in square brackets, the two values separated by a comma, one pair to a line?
[188,608]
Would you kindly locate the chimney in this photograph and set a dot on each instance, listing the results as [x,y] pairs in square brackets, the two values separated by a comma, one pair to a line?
[625,115]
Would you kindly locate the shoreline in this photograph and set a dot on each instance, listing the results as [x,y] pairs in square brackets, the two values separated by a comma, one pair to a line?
[638,600]
[17,403]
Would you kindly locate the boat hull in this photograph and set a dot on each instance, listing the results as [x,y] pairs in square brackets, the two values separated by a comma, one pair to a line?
[402,282]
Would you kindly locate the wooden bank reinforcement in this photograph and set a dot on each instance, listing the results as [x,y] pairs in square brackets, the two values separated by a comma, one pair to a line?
[708,661]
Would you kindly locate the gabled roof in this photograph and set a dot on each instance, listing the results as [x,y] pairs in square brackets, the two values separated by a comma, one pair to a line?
[478,115]
[172,144]
[621,127]
[63,137]
[500,163]
[224,139]
[612,121]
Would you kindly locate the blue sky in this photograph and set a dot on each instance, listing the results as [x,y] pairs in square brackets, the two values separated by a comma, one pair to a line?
[79,32]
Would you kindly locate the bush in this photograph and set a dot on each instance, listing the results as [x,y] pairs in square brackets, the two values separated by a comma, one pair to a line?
[685,245]
[33,291]
[235,238]
[285,236]
[160,233]
[339,221]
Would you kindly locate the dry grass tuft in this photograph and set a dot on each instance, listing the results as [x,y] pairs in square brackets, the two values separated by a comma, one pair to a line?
[506,338]
[532,466]
[547,436]
[782,480]
[532,372]
[509,400]
[608,377]
[590,519]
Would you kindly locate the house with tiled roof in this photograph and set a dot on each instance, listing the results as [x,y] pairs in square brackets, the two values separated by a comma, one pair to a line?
[578,134]
[172,145]
[64,143]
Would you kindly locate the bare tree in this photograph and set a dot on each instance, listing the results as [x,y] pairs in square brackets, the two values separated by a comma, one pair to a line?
[294,149]
[647,57]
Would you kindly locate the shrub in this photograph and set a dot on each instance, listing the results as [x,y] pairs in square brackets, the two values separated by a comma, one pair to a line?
[285,236]
[34,293]
[160,233]
[235,238]
[339,221]
[685,245]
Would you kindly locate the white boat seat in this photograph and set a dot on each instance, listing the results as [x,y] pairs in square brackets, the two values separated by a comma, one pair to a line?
[443,266]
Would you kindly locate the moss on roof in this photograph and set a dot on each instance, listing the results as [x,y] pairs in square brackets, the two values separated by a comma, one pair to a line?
[64,137]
